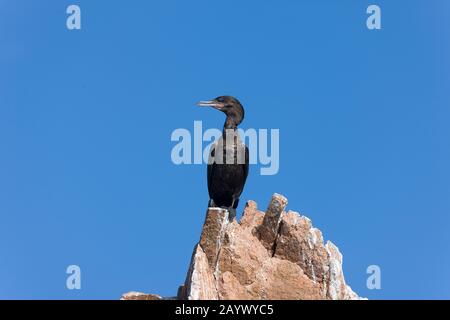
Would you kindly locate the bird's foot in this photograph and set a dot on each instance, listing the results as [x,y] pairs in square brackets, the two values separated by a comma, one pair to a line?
[231,210]
[231,214]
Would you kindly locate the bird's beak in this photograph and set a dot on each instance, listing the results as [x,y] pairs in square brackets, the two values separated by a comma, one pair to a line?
[210,103]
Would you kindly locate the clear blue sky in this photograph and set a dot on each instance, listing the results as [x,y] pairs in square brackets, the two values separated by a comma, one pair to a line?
[86,117]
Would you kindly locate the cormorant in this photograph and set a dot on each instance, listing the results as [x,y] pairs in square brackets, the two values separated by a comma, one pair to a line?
[228,158]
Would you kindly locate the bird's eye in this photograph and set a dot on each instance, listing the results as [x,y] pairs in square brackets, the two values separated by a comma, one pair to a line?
[221,100]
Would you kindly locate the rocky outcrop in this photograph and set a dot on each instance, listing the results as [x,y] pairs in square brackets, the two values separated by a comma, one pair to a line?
[140,296]
[271,255]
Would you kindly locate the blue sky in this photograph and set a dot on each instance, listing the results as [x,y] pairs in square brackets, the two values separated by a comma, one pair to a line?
[86,117]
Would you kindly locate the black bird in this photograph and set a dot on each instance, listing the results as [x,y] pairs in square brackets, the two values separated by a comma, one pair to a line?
[228,158]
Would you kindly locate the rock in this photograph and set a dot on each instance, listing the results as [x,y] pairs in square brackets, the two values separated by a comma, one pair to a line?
[140,296]
[271,255]
[200,283]
[268,230]
[212,234]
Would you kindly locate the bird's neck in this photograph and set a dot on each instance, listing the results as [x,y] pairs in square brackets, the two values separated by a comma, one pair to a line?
[230,125]
[229,129]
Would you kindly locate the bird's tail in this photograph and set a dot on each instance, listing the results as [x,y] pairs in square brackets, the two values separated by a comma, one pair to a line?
[211,204]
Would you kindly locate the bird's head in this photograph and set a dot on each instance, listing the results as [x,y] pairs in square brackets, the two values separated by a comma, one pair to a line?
[228,105]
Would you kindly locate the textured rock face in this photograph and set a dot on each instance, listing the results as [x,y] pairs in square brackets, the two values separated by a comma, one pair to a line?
[271,255]
[140,296]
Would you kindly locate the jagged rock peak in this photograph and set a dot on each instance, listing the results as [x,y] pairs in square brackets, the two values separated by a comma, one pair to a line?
[266,255]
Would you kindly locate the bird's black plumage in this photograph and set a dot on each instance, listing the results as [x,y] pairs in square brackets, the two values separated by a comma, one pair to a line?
[229,157]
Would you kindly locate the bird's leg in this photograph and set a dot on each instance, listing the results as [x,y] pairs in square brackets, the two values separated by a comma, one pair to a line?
[211,204]
[232,211]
